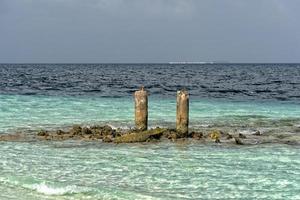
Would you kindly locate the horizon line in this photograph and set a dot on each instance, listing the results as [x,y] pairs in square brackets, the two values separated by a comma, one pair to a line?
[169,63]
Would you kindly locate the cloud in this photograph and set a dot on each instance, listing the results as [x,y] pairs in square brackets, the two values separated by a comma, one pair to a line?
[145,30]
[122,8]
[3,7]
[164,7]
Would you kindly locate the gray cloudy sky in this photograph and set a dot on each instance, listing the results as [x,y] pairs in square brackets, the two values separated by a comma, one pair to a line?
[149,30]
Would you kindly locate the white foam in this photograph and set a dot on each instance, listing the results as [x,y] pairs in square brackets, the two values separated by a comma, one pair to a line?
[121,127]
[43,188]
[50,190]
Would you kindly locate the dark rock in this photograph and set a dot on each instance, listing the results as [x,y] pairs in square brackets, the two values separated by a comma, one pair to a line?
[60,132]
[96,127]
[242,136]
[228,137]
[117,133]
[155,136]
[76,130]
[197,135]
[86,131]
[238,141]
[43,133]
[291,142]
[181,134]
[96,132]
[170,133]
[107,130]
[257,133]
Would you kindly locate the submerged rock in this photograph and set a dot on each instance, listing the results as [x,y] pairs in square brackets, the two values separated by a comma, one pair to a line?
[257,133]
[242,136]
[291,142]
[196,135]
[229,136]
[13,137]
[238,141]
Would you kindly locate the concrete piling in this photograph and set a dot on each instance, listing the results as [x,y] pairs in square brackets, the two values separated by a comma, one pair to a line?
[141,109]
[182,113]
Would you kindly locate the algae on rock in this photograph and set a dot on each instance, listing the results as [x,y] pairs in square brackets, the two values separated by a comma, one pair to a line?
[142,136]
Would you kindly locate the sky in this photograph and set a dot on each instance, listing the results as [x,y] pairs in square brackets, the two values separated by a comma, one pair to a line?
[116,31]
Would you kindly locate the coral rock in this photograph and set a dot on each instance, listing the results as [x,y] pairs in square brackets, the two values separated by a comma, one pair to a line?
[139,136]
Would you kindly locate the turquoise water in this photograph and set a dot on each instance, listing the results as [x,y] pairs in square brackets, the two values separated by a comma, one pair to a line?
[82,170]
[19,112]
[86,170]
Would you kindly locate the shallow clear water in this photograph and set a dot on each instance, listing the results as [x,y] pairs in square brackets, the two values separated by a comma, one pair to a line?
[19,112]
[81,170]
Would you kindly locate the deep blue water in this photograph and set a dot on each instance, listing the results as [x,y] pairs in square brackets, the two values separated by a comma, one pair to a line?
[231,81]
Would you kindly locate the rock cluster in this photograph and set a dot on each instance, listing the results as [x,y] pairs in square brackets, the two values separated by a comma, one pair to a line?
[104,133]
[108,134]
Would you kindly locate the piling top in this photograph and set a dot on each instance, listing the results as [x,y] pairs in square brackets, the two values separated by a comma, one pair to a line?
[183,92]
[141,91]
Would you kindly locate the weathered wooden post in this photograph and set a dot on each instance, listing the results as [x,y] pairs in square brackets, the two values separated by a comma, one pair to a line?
[182,113]
[141,109]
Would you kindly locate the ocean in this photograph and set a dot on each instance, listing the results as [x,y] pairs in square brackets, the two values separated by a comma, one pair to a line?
[231,97]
